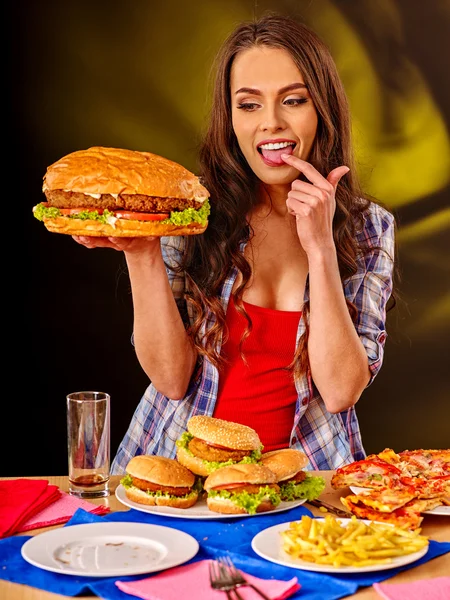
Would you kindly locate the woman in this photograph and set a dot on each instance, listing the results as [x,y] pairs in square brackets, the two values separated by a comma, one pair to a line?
[275,316]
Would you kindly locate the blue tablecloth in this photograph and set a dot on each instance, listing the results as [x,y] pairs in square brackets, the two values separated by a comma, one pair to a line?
[215,537]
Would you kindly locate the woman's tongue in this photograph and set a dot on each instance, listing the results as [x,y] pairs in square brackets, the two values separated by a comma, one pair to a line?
[274,156]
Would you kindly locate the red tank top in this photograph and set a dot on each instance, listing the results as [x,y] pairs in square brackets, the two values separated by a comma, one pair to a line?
[261,395]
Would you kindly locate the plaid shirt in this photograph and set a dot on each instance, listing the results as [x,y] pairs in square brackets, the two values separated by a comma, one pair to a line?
[328,440]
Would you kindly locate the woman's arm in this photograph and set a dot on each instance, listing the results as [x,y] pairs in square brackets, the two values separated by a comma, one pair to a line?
[337,356]
[338,360]
[162,345]
[369,289]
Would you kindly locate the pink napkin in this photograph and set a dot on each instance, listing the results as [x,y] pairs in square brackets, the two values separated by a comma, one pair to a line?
[61,511]
[192,581]
[20,499]
[437,588]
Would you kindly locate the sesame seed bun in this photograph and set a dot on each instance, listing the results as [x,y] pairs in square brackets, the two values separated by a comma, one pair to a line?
[284,463]
[120,228]
[224,433]
[160,470]
[250,474]
[102,170]
[162,475]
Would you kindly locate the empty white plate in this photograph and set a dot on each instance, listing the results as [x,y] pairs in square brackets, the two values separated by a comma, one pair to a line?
[109,549]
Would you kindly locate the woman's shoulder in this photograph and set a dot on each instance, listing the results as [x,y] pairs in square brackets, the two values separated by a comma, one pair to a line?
[376,221]
[376,230]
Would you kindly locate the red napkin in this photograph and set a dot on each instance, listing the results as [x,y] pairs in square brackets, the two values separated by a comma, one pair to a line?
[192,581]
[20,499]
[431,589]
[61,511]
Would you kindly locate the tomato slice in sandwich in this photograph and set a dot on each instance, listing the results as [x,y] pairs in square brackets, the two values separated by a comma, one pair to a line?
[137,216]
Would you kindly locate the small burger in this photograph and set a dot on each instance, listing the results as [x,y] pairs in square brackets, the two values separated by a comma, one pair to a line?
[112,192]
[160,481]
[210,444]
[242,489]
[295,484]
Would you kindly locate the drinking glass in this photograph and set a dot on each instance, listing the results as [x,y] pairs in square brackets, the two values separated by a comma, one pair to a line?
[88,443]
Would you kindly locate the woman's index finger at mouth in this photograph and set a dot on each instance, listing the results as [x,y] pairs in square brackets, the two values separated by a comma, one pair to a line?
[304,167]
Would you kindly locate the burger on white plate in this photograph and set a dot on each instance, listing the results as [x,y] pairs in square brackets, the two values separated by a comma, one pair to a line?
[113,192]
[242,489]
[210,444]
[294,482]
[160,481]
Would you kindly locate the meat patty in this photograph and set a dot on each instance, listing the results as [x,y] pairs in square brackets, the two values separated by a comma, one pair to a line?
[247,487]
[131,202]
[144,485]
[297,478]
[214,454]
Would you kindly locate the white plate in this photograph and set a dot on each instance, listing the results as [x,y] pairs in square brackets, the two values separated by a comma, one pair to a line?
[439,510]
[268,545]
[200,510]
[109,549]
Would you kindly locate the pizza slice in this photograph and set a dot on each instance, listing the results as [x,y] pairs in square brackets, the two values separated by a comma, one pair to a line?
[425,463]
[438,487]
[424,504]
[389,456]
[368,473]
[405,517]
[384,500]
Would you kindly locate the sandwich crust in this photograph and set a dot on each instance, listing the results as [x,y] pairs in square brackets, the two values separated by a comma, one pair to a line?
[101,170]
[224,433]
[121,228]
[284,463]
[162,471]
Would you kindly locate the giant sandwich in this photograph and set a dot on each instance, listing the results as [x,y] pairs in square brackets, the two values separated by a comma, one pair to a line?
[242,489]
[210,444]
[112,192]
[294,482]
[160,481]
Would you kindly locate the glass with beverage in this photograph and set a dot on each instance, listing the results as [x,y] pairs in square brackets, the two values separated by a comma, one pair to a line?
[88,443]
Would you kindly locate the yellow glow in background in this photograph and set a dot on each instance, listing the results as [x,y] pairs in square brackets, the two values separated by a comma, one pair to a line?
[136,75]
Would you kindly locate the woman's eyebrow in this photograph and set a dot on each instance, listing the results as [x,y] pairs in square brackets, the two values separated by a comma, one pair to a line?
[283,90]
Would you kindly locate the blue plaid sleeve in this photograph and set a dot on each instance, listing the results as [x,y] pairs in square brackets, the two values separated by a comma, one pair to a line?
[172,249]
[371,287]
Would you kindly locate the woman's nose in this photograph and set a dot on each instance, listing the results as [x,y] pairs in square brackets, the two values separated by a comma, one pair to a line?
[271,119]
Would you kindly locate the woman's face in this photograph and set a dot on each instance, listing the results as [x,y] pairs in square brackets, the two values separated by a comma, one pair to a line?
[272,112]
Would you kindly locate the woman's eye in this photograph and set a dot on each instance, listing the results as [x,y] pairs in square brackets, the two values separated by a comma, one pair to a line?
[295,101]
[247,105]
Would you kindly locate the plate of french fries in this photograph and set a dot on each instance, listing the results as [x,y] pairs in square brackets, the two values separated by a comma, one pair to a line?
[335,545]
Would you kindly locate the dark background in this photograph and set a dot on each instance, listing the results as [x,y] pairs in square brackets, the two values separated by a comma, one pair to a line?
[135,75]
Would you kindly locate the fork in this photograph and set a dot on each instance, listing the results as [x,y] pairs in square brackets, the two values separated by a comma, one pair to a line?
[236,576]
[220,579]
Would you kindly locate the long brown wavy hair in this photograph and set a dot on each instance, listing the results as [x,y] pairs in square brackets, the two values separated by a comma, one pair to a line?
[233,185]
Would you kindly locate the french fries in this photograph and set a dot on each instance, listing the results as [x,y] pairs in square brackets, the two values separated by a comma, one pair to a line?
[329,542]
